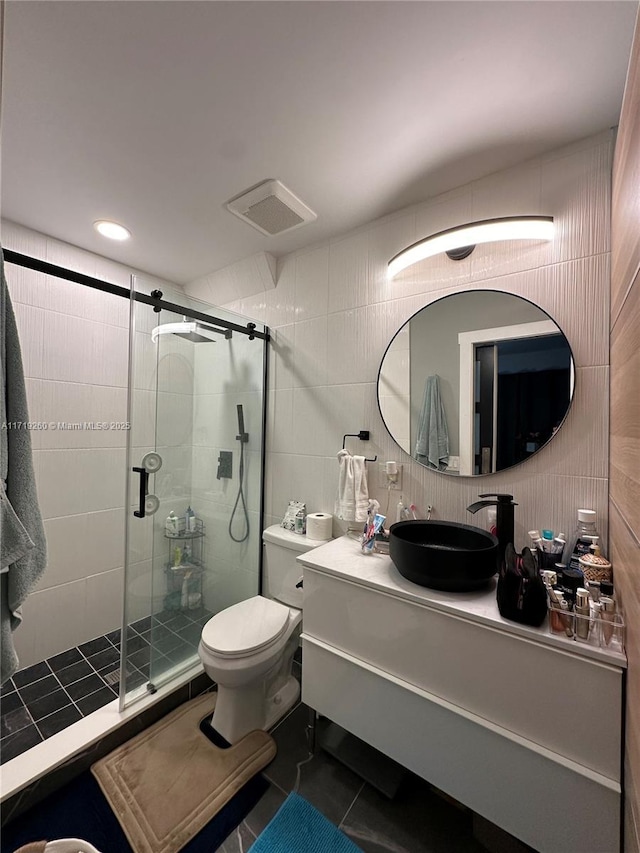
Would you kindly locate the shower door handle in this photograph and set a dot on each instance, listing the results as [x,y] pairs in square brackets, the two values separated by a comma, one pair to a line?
[144,482]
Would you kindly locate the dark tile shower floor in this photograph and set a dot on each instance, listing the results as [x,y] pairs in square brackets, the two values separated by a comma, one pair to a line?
[45,698]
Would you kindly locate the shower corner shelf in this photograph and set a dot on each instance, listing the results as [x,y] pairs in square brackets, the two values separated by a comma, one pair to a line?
[185,578]
[185,534]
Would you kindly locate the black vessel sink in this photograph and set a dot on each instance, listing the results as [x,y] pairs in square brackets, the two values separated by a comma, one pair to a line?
[443,554]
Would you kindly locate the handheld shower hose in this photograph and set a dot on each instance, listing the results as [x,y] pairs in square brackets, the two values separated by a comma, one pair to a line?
[243,438]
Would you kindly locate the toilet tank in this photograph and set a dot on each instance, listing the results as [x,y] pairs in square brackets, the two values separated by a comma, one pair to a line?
[280,572]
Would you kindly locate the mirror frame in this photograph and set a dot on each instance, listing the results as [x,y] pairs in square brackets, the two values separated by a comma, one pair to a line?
[460,293]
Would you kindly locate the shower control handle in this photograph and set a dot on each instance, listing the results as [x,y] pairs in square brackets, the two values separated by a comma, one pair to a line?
[144,482]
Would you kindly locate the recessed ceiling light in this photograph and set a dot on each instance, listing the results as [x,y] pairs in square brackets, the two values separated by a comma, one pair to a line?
[111,230]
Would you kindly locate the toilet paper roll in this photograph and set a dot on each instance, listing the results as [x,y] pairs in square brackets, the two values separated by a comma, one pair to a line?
[319,525]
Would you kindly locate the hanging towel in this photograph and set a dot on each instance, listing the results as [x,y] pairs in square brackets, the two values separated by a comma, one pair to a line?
[352,500]
[23,541]
[15,542]
[432,440]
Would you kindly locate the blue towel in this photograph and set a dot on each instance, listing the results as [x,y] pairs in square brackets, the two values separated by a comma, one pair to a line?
[298,827]
[432,439]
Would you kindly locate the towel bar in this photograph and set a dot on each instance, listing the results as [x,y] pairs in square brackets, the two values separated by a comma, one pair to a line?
[363,435]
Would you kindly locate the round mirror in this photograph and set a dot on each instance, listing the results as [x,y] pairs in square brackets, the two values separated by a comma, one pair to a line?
[476,382]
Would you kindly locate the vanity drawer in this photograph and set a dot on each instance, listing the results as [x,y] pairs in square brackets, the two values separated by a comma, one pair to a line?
[548,802]
[568,704]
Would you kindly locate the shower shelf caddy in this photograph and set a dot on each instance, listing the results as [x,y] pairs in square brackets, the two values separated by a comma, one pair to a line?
[188,570]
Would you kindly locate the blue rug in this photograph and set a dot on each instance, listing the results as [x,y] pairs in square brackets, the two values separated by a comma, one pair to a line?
[298,827]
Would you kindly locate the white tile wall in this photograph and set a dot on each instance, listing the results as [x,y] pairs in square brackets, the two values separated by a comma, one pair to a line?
[311,404]
[104,597]
[312,283]
[229,375]
[75,351]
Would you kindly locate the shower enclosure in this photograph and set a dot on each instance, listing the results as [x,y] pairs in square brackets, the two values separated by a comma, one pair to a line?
[194,451]
[194,496]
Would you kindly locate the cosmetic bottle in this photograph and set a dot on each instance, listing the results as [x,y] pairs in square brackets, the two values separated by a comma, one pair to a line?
[171,524]
[400,510]
[582,613]
[177,556]
[559,544]
[578,545]
[189,514]
[595,635]
[571,581]
[594,547]
[566,617]
[549,577]
[606,589]
[300,523]
[184,593]
[608,616]
[555,620]
[559,615]
[593,588]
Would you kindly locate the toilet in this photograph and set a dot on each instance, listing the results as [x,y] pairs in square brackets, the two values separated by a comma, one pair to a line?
[248,648]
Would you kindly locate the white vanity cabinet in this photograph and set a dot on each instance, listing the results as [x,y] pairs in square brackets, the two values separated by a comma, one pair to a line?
[521,726]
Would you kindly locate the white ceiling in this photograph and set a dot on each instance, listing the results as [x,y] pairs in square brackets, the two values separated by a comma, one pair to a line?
[156,113]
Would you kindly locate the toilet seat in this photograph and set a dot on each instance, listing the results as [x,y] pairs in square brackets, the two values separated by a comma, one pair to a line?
[245,628]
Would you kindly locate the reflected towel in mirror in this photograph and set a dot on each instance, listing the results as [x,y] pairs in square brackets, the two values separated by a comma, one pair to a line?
[432,439]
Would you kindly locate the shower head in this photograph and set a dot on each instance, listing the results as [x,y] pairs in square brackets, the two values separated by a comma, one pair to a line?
[242,435]
[190,330]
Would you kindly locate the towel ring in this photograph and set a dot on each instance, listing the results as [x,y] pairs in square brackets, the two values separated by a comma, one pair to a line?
[363,435]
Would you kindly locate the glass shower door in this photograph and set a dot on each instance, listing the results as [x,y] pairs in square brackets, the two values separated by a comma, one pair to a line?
[159,461]
[195,484]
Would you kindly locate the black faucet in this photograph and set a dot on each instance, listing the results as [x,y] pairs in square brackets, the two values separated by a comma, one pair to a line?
[504,519]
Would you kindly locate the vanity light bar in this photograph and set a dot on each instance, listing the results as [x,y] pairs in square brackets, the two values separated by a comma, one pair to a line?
[486,231]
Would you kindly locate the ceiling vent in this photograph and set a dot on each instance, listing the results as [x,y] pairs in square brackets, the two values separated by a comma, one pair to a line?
[271,208]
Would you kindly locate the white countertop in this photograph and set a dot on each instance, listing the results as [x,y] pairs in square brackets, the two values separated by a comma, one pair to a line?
[343,558]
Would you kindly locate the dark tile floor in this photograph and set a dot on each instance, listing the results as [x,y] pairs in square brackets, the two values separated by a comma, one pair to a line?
[45,698]
[417,820]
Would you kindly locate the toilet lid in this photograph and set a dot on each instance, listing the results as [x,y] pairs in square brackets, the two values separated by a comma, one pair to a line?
[245,627]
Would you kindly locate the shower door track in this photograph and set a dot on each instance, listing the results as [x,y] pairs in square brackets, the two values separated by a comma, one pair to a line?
[116,290]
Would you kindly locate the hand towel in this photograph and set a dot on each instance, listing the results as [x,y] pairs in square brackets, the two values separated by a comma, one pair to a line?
[352,500]
[432,439]
[16,470]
